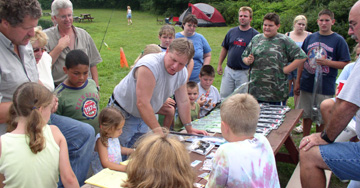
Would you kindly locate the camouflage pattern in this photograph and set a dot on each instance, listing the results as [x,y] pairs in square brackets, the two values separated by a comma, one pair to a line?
[270,84]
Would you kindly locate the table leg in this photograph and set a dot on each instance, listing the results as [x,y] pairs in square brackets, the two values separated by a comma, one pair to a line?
[292,156]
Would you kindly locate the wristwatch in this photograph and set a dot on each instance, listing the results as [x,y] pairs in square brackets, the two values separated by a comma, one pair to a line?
[187,124]
[325,137]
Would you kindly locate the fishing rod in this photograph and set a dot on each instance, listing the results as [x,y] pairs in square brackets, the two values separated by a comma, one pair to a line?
[106,29]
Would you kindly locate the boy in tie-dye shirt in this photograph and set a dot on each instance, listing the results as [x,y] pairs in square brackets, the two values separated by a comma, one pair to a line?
[248,159]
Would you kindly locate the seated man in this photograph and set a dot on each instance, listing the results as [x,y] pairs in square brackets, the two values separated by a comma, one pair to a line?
[317,151]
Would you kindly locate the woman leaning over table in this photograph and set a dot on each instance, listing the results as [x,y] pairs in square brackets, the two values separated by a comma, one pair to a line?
[202,48]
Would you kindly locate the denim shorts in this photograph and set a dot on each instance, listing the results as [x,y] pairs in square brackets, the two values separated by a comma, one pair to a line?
[343,159]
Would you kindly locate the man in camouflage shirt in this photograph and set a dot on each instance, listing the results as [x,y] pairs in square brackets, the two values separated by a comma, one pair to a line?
[268,54]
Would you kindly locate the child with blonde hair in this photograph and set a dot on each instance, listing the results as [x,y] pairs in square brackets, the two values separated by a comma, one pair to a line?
[149,165]
[248,159]
[108,151]
[33,152]
[128,15]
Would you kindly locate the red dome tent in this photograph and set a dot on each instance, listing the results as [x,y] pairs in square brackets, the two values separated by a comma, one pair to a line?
[206,14]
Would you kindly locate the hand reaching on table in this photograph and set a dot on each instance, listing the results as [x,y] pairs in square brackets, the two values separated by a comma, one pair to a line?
[196,131]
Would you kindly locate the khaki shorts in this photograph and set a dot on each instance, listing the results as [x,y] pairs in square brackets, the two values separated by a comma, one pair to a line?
[306,102]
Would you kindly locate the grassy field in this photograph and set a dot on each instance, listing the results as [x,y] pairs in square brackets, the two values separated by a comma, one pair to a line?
[133,39]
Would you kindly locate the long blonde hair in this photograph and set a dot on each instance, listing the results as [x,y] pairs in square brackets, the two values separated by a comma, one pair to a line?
[159,161]
[27,100]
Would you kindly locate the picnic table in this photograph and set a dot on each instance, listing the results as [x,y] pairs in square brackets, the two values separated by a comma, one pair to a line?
[85,16]
[277,138]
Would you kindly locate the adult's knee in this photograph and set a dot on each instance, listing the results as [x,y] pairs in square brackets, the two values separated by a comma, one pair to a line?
[326,105]
[310,157]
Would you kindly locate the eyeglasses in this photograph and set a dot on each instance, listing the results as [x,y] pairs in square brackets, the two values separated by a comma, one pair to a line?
[352,25]
[39,49]
[63,17]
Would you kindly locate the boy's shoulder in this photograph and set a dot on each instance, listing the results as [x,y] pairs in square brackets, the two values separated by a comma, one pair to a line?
[214,88]
[258,139]
[89,83]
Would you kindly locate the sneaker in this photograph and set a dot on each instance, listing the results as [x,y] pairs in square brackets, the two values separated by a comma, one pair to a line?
[299,129]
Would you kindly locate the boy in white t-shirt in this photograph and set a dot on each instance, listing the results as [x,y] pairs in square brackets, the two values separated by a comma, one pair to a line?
[208,94]
[248,159]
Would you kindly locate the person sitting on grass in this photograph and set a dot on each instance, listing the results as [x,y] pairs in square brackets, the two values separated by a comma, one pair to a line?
[33,152]
[78,95]
[193,93]
[248,159]
[159,161]
[208,94]
[108,151]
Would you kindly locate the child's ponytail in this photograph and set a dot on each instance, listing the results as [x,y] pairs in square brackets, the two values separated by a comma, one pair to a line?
[34,131]
[12,120]
[27,101]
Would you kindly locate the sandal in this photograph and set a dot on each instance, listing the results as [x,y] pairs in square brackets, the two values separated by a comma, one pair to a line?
[298,129]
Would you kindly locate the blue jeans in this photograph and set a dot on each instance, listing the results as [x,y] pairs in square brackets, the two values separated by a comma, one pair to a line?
[134,127]
[343,159]
[80,138]
[231,80]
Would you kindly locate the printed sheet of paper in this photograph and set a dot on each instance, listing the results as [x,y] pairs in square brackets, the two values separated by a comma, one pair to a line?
[107,178]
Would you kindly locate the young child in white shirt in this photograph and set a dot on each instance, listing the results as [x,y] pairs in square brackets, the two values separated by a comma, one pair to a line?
[248,159]
[208,94]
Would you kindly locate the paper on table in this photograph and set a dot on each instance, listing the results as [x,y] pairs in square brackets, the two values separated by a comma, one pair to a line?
[107,178]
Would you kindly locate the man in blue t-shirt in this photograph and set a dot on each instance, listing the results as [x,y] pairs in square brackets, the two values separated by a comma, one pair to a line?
[235,42]
[325,48]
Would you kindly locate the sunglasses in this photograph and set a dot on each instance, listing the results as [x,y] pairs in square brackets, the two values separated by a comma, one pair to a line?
[38,49]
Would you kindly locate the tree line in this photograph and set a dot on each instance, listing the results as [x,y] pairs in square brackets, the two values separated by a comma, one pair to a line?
[287,9]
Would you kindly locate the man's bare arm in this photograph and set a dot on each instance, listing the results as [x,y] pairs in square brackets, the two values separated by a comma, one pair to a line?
[94,74]
[342,113]
[223,54]
[4,110]
[145,85]
[183,104]
[63,43]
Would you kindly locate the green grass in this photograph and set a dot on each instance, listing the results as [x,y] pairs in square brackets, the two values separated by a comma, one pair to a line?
[133,39]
